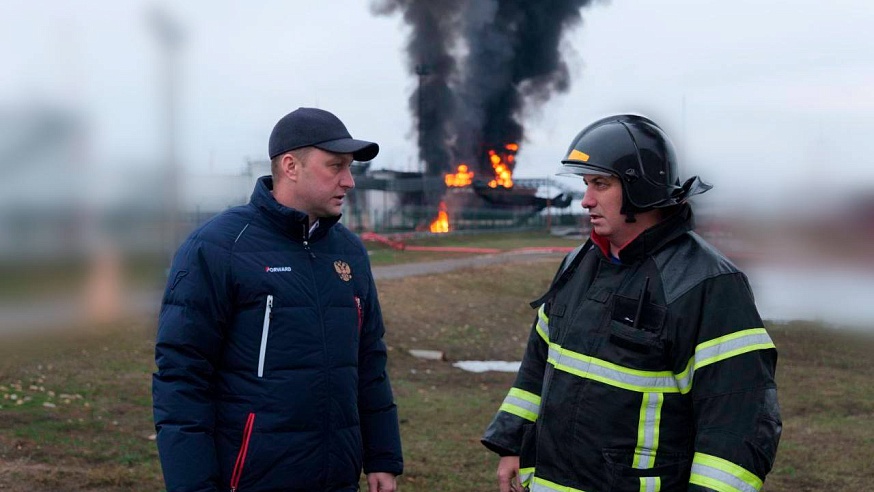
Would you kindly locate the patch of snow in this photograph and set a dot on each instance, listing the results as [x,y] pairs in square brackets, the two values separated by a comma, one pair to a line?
[487,365]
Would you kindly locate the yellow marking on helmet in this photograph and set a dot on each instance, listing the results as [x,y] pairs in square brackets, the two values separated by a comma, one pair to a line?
[576,155]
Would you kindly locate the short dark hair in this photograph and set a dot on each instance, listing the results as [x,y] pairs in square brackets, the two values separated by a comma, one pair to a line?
[299,154]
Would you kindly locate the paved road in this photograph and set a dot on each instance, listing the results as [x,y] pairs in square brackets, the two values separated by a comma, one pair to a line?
[64,314]
[780,294]
[440,266]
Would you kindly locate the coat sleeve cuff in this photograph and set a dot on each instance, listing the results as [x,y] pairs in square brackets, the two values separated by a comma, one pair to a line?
[384,466]
[498,449]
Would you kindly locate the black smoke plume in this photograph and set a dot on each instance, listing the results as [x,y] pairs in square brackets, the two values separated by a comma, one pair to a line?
[480,65]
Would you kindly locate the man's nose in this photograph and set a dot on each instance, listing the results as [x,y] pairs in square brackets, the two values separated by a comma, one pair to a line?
[588,200]
[346,180]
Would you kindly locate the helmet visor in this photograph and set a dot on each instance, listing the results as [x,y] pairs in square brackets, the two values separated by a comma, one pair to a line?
[574,168]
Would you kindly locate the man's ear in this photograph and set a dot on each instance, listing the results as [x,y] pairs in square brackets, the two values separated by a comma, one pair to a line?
[290,166]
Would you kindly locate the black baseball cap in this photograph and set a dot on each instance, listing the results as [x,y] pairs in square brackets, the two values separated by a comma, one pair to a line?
[313,127]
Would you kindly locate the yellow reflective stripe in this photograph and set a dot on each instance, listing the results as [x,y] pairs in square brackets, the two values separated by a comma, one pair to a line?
[542,485]
[706,353]
[596,369]
[522,404]
[525,395]
[525,475]
[542,325]
[722,348]
[760,342]
[722,475]
[650,484]
[518,411]
[649,422]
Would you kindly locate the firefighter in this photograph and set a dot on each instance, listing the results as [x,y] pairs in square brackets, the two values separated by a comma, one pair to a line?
[648,367]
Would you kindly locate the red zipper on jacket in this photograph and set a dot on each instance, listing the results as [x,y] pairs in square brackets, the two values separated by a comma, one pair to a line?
[241,456]
[360,314]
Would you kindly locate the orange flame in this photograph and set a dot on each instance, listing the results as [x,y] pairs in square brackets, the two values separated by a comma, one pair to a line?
[503,175]
[441,223]
[500,162]
[462,177]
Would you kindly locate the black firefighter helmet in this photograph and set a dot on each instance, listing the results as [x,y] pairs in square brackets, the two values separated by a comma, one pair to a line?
[635,150]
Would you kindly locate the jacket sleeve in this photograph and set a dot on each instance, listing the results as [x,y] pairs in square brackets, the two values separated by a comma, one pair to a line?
[377,410]
[734,396]
[187,349]
[521,406]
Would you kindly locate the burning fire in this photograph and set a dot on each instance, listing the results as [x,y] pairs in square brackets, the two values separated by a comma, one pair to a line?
[463,177]
[500,163]
[441,223]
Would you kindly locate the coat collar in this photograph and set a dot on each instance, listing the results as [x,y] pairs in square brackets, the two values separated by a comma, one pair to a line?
[290,221]
[653,239]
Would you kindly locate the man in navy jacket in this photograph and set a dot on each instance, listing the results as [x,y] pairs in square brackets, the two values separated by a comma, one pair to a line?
[270,354]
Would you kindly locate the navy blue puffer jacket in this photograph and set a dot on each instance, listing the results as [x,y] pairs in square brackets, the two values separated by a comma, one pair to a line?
[271,361]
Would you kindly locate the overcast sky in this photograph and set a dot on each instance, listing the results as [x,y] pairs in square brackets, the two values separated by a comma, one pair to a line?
[769,100]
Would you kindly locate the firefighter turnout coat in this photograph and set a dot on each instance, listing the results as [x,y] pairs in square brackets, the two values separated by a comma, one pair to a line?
[650,373]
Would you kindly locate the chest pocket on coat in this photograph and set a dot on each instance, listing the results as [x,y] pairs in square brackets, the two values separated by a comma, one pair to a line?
[637,344]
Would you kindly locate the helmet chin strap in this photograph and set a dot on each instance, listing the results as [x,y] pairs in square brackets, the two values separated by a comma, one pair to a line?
[628,209]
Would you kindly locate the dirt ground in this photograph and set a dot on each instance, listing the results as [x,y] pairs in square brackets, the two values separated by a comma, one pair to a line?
[84,417]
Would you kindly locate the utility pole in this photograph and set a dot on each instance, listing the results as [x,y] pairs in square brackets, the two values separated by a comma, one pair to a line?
[168,33]
[422,70]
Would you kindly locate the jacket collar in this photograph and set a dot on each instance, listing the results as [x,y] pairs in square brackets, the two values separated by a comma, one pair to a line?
[290,221]
[654,238]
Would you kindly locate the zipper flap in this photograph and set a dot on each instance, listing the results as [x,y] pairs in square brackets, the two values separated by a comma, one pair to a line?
[265,331]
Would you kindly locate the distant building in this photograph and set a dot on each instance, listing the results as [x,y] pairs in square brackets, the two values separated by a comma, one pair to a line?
[58,201]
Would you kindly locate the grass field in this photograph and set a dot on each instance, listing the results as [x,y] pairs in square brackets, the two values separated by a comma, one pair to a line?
[50,279]
[381,254]
[75,410]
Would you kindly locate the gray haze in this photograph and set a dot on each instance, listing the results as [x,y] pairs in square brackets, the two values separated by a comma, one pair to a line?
[771,101]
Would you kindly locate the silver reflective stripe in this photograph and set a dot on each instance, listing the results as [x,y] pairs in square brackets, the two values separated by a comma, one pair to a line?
[525,475]
[543,324]
[706,353]
[522,403]
[612,374]
[265,330]
[650,484]
[648,430]
[720,474]
[723,348]
[540,485]
[648,439]
[727,480]
[525,405]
